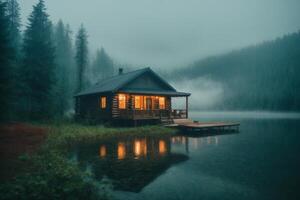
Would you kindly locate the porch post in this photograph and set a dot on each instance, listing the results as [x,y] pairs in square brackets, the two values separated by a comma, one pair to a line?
[187,106]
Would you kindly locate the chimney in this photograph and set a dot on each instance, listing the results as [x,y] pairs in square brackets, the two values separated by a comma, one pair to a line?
[120,71]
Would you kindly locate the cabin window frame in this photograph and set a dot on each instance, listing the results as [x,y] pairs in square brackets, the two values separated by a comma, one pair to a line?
[162,103]
[122,101]
[138,102]
[103,102]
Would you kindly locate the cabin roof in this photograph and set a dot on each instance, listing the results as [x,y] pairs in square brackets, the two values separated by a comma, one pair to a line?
[116,83]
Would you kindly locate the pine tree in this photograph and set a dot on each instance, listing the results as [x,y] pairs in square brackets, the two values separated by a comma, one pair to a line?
[6,54]
[64,60]
[72,68]
[38,64]
[14,24]
[103,65]
[81,57]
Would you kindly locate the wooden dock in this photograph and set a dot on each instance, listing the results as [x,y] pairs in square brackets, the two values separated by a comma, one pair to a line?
[187,125]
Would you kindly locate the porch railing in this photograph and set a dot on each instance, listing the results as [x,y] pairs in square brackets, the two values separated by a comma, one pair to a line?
[179,114]
[152,114]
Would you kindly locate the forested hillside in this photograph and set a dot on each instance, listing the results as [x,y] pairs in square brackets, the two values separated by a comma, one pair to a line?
[265,76]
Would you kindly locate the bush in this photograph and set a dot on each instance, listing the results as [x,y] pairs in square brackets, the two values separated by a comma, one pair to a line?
[52,176]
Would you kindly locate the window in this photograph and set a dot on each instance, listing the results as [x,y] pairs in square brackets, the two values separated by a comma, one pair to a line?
[161,101]
[156,103]
[103,102]
[137,102]
[122,101]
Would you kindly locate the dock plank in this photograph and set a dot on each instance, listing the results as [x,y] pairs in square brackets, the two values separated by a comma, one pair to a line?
[188,124]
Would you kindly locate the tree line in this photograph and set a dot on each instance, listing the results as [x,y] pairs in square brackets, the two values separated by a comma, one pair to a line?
[42,67]
[260,77]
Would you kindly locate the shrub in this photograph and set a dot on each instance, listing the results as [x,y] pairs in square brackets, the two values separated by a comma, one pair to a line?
[52,176]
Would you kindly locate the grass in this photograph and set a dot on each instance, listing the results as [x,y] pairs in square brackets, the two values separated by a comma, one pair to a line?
[65,135]
[51,175]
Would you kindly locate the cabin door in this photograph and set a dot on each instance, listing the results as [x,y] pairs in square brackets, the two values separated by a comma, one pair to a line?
[148,103]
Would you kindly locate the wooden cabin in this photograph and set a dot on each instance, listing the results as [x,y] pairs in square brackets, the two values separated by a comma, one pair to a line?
[136,96]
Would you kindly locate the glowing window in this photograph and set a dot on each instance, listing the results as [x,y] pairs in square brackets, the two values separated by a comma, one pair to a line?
[137,102]
[103,102]
[156,104]
[161,102]
[122,101]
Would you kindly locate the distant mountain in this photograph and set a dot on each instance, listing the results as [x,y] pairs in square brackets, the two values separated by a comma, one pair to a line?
[264,76]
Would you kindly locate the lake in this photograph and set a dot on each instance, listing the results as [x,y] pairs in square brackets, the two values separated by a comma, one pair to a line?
[260,162]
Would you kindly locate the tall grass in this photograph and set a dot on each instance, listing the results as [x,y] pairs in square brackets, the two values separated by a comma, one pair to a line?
[65,135]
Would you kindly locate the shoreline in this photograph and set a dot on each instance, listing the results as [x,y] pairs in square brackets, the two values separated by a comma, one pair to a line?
[47,163]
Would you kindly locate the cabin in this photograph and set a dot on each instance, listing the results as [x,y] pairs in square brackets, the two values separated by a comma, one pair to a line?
[137,97]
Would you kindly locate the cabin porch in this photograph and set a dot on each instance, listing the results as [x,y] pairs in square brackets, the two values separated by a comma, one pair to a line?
[153,114]
[147,107]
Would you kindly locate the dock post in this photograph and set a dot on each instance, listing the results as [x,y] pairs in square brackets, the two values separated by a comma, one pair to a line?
[187,106]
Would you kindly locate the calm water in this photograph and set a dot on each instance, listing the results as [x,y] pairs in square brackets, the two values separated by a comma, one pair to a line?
[260,162]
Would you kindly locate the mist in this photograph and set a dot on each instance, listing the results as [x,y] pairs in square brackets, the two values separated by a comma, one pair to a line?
[167,34]
[229,55]
[206,93]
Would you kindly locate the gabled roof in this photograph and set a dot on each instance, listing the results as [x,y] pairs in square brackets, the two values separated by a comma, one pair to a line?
[115,83]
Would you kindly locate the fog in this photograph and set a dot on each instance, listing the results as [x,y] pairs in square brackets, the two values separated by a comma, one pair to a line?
[230,55]
[205,93]
[166,34]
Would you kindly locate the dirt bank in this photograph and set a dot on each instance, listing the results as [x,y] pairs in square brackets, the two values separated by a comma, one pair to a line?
[15,140]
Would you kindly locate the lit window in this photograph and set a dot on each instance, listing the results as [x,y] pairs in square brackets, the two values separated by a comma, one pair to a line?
[122,101]
[137,102]
[103,102]
[161,101]
[156,104]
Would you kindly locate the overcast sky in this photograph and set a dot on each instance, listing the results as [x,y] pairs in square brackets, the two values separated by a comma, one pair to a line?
[169,33]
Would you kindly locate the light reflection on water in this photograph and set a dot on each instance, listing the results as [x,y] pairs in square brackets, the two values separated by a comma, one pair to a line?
[261,162]
[139,146]
[134,162]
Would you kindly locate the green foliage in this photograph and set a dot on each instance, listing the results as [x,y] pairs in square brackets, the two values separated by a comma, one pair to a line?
[38,70]
[81,57]
[14,27]
[6,55]
[14,24]
[52,176]
[64,86]
[64,135]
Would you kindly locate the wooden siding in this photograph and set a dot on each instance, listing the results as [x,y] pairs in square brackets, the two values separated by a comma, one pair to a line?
[89,107]
[131,113]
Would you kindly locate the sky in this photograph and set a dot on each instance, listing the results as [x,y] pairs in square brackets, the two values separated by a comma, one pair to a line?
[166,34]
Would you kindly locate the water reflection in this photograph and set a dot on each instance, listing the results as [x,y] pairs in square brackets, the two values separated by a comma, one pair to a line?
[102,151]
[140,147]
[133,162]
[121,150]
[162,147]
